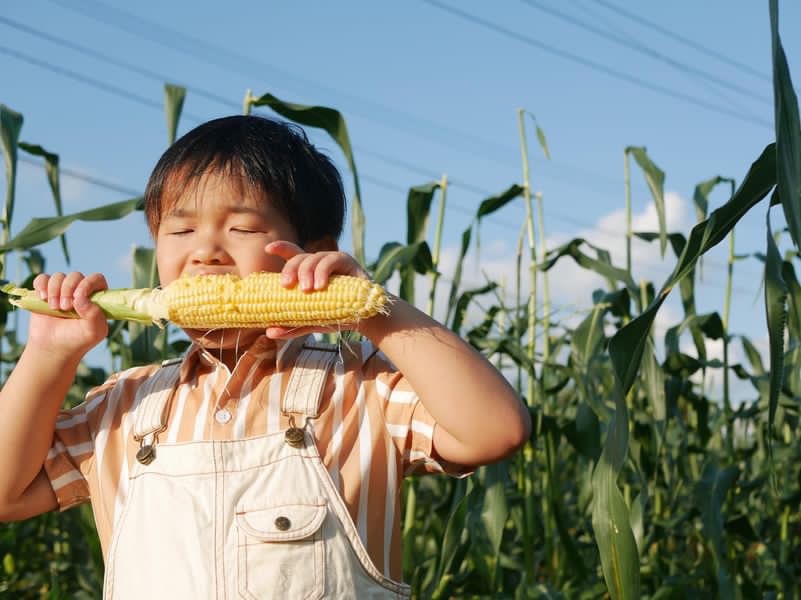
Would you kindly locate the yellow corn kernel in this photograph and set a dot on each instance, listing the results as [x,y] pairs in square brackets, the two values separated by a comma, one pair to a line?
[227,301]
[259,300]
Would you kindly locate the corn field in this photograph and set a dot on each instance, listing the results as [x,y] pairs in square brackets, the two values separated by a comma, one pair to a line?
[636,482]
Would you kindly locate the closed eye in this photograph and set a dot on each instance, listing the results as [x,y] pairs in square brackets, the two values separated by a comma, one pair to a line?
[180,232]
[245,230]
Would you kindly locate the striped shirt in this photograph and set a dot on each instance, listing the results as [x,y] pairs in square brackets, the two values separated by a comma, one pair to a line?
[371,431]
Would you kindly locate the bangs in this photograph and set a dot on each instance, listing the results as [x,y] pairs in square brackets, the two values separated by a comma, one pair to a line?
[187,181]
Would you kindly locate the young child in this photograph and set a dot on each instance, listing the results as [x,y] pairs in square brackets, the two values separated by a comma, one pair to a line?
[262,464]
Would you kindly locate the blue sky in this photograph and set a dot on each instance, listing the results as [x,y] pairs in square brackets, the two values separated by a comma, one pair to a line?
[427,87]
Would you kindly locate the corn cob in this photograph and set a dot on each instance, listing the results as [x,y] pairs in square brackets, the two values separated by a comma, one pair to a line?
[227,301]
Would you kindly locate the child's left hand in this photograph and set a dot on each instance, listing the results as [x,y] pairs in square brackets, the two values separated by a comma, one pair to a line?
[310,271]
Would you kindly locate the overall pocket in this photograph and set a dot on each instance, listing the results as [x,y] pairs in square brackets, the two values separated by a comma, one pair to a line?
[281,552]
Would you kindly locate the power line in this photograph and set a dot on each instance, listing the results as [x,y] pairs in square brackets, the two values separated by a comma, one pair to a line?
[200,49]
[584,174]
[648,51]
[684,40]
[96,181]
[107,59]
[595,17]
[151,104]
[228,103]
[598,67]
[111,89]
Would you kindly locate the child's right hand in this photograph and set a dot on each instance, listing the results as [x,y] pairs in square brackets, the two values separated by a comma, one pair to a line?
[68,338]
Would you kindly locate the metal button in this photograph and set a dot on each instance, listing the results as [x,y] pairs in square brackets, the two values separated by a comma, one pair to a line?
[146,454]
[282,523]
[294,437]
[222,416]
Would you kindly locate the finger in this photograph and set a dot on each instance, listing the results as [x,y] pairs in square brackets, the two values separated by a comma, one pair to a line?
[290,274]
[91,284]
[83,292]
[68,286]
[335,263]
[284,249]
[307,270]
[40,285]
[286,333]
[54,290]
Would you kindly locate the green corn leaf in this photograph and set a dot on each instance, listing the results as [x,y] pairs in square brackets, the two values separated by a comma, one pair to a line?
[457,272]
[619,301]
[493,203]
[495,509]
[794,291]
[174,96]
[454,545]
[584,434]
[701,200]
[418,209]
[788,132]
[147,343]
[41,230]
[711,494]
[655,178]
[10,127]
[753,356]
[654,384]
[627,345]
[543,142]
[600,266]
[588,336]
[53,180]
[776,313]
[611,520]
[460,308]
[701,196]
[332,122]
[9,564]
[394,256]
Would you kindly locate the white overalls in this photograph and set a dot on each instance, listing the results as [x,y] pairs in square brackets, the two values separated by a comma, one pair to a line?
[251,518]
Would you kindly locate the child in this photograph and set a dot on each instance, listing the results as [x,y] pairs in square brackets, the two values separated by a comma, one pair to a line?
[262,463]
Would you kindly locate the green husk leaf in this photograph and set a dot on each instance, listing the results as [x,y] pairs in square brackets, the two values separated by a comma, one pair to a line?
[129,304]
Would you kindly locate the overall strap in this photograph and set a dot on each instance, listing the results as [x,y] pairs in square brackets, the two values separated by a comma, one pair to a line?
[154,400]
[307,380]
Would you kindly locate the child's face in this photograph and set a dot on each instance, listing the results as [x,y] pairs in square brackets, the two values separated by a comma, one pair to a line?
[219,226]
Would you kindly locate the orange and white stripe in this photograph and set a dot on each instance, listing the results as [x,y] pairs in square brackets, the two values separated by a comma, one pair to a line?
[372,429]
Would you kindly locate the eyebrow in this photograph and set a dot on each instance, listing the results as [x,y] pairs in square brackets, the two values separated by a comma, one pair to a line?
[181,213]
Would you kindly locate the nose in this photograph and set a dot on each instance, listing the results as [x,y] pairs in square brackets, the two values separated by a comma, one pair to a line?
[210,251]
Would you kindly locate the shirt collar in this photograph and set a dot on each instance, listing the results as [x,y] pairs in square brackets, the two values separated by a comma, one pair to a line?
[281,353]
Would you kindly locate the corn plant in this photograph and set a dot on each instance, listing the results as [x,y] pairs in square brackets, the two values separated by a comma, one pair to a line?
[637,481]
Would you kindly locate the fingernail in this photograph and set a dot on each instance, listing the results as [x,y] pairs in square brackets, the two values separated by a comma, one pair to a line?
[65,303]
[285,278]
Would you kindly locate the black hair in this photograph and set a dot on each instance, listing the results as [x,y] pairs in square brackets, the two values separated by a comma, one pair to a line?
[274,157]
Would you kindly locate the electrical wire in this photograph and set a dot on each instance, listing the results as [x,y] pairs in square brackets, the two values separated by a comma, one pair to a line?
[684,40]
[650,52]
[575,58]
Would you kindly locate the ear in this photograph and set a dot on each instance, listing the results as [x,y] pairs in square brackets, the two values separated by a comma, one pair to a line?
[326,244]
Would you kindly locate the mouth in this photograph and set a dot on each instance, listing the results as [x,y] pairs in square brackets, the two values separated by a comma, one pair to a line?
[205,272]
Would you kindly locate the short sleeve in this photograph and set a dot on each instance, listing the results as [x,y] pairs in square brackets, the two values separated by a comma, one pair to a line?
[71,455]
[410,425]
